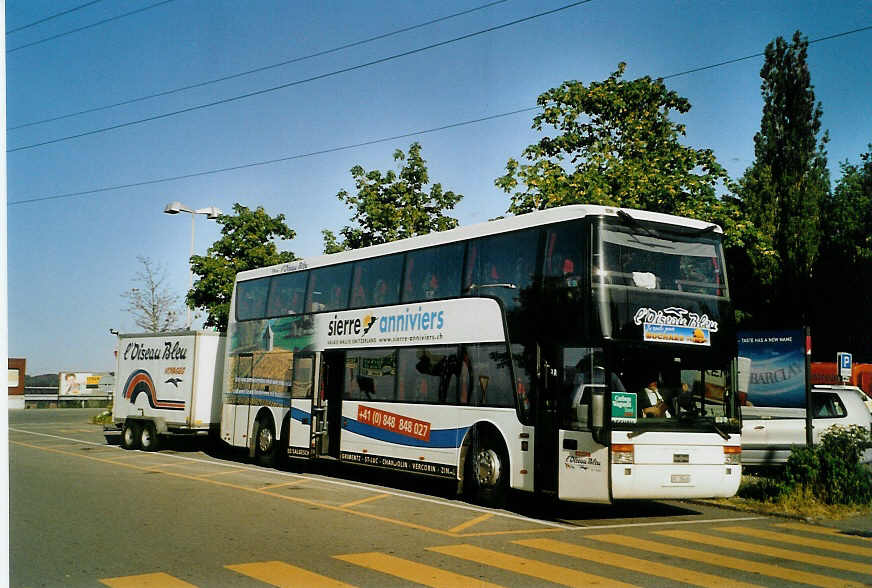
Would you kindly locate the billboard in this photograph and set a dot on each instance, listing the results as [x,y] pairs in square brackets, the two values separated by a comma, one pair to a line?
[82,383]
[777,367]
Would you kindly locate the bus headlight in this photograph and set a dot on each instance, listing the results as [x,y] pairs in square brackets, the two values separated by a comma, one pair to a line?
[733,454]
[622,454]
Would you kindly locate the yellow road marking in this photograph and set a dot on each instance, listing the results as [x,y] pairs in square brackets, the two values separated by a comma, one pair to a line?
[471,522]
[282,485]
[158,580]
[220,473]
[788,554]
[277,573]
[725,561]
[804,541]
[295,499]
[821,530]
[364,500]
[527,567]
[635,564]
[412,571]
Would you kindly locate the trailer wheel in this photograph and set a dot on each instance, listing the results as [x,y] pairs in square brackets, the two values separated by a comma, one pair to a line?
[265,442]
[486,471]
[130,435]
[148,438]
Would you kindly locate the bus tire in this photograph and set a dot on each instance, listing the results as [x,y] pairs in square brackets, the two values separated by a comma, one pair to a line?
[265,443]
[486,471]
[148,439]
[130,435]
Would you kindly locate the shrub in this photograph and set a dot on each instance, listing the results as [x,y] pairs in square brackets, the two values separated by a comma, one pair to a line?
[831,471]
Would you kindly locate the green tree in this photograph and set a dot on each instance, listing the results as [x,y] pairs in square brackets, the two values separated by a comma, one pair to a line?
[393,205]
[783,189]
[247,242]
[614,143]
[843,273]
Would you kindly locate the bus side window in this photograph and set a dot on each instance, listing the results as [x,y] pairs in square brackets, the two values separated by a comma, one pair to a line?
[251,299]
[328,288]
[376,281]
[491,375]
[286,294]
[501,266]
[433,273]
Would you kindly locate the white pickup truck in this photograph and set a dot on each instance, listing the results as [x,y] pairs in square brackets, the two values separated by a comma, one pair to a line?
[768,434]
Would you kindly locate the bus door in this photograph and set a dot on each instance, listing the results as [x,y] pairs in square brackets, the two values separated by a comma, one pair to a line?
[583,463]
[545,441]
[327,405]
[243,375]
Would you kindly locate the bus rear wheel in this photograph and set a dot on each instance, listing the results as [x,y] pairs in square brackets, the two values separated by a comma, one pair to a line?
[130,435]
[486,473]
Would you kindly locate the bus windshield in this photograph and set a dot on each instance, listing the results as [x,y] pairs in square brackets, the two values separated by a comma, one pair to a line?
[664,313]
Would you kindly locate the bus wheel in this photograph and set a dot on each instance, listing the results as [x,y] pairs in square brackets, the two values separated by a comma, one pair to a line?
[130,435]
[486,475]
[148,438]
[265,443]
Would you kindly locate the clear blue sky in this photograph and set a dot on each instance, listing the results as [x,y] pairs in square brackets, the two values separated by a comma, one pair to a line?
[71,258]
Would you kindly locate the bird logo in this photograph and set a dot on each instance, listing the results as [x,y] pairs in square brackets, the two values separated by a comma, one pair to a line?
[174,381]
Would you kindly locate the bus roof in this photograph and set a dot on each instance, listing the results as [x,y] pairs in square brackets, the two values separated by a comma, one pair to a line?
[504,225]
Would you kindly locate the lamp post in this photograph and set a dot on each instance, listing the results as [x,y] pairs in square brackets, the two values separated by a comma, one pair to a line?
[211,213]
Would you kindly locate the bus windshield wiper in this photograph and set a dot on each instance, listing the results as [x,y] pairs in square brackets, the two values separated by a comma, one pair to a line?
[724,435]
[633,222]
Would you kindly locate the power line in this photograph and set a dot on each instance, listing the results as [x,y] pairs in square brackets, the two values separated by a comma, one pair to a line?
[53,16]
[371,142]
[90,26]
[273,161]
[258,69]
[299,82]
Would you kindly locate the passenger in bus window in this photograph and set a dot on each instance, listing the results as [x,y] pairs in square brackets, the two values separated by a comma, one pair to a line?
[651,402]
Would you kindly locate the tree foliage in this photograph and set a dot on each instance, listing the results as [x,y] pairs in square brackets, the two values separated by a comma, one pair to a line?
[783,189]
[155,308]
[614,143]
[843,275]
[393,205]
[247,242]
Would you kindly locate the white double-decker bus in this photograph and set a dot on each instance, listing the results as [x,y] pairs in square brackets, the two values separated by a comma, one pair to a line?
[582,352]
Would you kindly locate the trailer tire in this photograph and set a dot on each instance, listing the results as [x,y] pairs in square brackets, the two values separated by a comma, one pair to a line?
[486,471]
[130,435]
[265,443]
[148,439]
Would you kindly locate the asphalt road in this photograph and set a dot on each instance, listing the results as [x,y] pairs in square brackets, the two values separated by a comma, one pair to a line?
[87,513]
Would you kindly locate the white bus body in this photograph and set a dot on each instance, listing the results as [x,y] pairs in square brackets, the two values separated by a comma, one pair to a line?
[457,355]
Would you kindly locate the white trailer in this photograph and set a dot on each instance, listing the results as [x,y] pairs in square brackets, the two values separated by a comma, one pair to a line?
[167,383]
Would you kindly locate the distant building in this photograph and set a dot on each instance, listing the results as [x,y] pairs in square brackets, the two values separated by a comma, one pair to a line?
[16,375]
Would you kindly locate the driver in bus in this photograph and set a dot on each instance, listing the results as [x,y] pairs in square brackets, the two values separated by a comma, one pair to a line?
[651,401]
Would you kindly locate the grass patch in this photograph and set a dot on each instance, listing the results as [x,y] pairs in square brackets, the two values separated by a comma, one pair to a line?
[827,481]
[104,418]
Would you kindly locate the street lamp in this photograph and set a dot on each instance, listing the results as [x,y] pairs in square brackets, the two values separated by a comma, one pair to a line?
[211,213]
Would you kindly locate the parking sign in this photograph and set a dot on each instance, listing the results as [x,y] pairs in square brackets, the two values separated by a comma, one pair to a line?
[846,363]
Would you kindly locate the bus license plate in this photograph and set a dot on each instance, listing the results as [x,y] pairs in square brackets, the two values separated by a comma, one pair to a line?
[680,479]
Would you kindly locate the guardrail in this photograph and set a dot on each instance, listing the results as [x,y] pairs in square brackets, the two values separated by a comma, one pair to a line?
[49,397]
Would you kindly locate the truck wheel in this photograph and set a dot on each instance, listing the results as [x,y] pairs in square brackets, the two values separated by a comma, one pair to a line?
[148,438]
[265,442]
[130,435]
[486,471]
